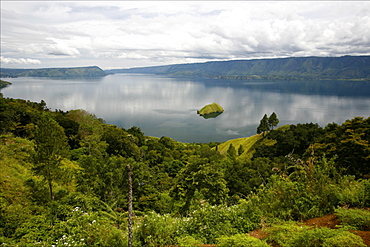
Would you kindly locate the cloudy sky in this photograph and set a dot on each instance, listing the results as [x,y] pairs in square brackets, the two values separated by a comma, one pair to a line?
[122,34]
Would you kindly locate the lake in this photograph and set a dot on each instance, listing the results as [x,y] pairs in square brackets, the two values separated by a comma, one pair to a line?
[163,106]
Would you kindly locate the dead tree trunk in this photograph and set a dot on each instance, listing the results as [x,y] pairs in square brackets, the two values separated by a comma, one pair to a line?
[129,206]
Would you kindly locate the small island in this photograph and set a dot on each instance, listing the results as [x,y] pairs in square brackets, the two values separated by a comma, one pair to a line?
[211,111]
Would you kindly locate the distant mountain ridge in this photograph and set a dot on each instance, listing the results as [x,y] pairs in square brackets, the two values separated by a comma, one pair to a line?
[92,71]
[346,67]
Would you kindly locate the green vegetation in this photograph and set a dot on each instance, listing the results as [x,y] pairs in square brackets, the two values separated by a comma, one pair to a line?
[293,68]
[93,71]
[293,234]
[64,183]
[4,84]
[211,110]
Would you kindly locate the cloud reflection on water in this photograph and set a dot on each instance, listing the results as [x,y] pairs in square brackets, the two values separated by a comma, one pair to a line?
[167,106]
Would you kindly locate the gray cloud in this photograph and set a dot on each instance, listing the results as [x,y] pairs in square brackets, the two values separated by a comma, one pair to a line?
[130,34]
[9,60]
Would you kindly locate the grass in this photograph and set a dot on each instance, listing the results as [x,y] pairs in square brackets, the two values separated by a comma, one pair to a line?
[247,143]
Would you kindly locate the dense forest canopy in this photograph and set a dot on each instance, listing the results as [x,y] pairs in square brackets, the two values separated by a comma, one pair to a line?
[346,67]
[64,182]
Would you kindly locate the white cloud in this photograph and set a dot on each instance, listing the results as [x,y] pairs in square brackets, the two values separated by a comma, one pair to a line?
[150,33]
[8,60]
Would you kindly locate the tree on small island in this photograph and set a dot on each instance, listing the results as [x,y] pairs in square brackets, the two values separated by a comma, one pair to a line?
[267,123]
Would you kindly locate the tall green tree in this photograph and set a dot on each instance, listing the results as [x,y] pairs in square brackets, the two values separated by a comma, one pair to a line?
[264,125]
[273,121]
[231,152]
[202,178]
[51,147]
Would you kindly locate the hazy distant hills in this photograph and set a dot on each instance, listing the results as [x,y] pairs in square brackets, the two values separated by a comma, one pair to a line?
[346,67]
[92,71]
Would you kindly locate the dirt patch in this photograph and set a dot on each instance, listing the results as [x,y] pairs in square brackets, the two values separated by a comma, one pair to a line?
[329,221]
[365,235]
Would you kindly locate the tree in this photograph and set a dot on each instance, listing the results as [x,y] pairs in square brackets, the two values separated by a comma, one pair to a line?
[273,121]
[51,148]
[240,150]
[202,178]
[264,125]
[231,152]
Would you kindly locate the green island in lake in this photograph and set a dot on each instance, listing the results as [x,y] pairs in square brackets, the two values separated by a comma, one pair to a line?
[211,111]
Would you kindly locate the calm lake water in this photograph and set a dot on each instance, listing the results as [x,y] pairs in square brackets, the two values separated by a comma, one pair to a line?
[163,106]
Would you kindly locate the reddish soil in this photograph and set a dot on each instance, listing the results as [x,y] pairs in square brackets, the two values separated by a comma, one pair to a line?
[329,221]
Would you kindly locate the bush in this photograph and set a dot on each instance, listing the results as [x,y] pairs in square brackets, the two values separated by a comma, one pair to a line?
[357,219]
[188,241]
[344,239]
[211,222]
[79,229]
[157,230]
[240,240]
[326,237]
[292,234]
[281,234]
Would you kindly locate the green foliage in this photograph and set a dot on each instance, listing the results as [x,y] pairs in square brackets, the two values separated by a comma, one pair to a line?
[199,193]
[188,241]
[157,230]
[263,126]
[326,237]
[294,140]
[51,149]
[245,177]
[240,150]
[273,121]
[80,228]
[210,222]
[350,143]
[231,152]
[240,240]
[292,234]
[357,219]
[199,176]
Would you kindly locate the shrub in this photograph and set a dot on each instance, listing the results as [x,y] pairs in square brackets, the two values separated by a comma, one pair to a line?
[211,222]
[292,234]
[281,234]
[357,219]
[240,240]
[326,237]
[188,241]
[344,239]
[157,230]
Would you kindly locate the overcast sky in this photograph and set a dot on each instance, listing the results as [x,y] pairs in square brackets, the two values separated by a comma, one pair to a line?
[122,34]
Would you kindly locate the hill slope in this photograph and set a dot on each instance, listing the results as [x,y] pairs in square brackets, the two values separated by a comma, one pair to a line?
[92,71]
[346,67]
[4,84]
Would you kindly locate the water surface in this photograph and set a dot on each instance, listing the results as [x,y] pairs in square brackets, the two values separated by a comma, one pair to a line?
[163,106]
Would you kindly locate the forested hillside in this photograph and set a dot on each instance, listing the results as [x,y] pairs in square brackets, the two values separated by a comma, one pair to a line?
[347,67]
[64,182]
[93,71]
[4,84]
